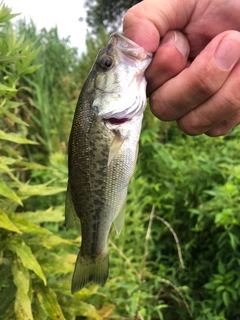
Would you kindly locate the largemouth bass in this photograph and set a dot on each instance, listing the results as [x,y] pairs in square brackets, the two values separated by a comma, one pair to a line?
[103,148]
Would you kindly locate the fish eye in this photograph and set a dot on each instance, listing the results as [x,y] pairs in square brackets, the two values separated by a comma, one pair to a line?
[106,63]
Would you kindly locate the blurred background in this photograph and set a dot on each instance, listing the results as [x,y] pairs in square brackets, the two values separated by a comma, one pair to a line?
[177,256]
[69,18]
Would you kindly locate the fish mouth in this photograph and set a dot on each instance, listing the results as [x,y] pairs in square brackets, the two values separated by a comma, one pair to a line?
[117,121]
[130,48]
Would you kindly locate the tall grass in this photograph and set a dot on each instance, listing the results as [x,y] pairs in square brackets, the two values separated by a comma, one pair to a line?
[52,87]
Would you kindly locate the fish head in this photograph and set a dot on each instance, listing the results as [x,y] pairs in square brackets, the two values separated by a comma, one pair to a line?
[119,83]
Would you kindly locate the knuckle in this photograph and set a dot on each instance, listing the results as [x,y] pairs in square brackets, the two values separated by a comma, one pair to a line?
[190,128]
[160,108]
[219,131]
[206,84]
[231,102]
[230,96]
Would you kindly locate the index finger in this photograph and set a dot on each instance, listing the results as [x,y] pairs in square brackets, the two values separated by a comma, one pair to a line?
[148,21]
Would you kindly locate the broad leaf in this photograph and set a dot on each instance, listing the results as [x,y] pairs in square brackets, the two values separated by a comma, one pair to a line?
[26,226]
[9,193]
[81,308]
[48,301]
[49,215]
[28,260]
[21,279]
[6,223]
[27,190]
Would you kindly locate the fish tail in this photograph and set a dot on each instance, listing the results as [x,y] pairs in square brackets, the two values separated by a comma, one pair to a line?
[89,269]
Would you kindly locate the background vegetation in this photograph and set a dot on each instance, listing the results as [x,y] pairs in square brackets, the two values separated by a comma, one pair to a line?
[178,255]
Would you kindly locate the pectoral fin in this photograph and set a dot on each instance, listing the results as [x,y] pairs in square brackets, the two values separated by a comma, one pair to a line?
[119,220]
[70,213]
[114,148]
[136,155]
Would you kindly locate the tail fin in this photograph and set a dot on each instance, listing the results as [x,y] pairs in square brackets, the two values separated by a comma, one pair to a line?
[88,269]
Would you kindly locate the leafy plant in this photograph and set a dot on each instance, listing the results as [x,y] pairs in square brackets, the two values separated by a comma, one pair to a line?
[36,263]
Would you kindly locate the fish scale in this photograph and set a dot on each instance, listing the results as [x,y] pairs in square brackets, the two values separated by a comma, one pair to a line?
[103,147]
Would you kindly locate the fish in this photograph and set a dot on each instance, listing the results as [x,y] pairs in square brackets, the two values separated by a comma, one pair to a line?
[102,152]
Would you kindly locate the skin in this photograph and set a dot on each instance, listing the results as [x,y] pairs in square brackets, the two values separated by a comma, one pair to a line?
[194,77]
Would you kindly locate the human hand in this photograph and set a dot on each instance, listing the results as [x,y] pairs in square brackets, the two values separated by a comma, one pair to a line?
[194,77]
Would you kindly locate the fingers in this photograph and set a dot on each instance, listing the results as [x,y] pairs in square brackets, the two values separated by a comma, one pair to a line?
[224,127]
[203,97]
[169,59]
[220,113]
[149,20]
[192,96]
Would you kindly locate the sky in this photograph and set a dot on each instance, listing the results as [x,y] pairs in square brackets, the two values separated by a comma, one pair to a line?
[50,13]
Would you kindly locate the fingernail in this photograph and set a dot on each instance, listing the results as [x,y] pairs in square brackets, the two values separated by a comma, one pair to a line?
[228,52]
[178,40]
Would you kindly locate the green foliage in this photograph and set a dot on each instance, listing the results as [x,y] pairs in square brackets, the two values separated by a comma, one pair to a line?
[49,91]
[106,14]
[194,185]
[36,262]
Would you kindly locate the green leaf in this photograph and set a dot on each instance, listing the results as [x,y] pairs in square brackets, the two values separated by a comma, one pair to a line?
[21,279]
[61,264]
[26,226]
[7,59]
[15,138]
[226,298]
[48,301]
[51,241]
[5,13]
[12,104]
[6,169]
[220,288]
[43,189]
[30,69]
[4,88]
[31,165]
[9,193]
[49,215]
[39,313]
[210,286]
[233,240]
[14,118]
[28,260]
[5,273]
[221,267]
[7,296]
[80,308]
[6,223]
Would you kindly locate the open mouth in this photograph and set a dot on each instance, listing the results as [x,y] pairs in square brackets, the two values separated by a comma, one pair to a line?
[117,121]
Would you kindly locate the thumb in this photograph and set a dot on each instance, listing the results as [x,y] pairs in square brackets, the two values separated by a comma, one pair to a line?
[148,21]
